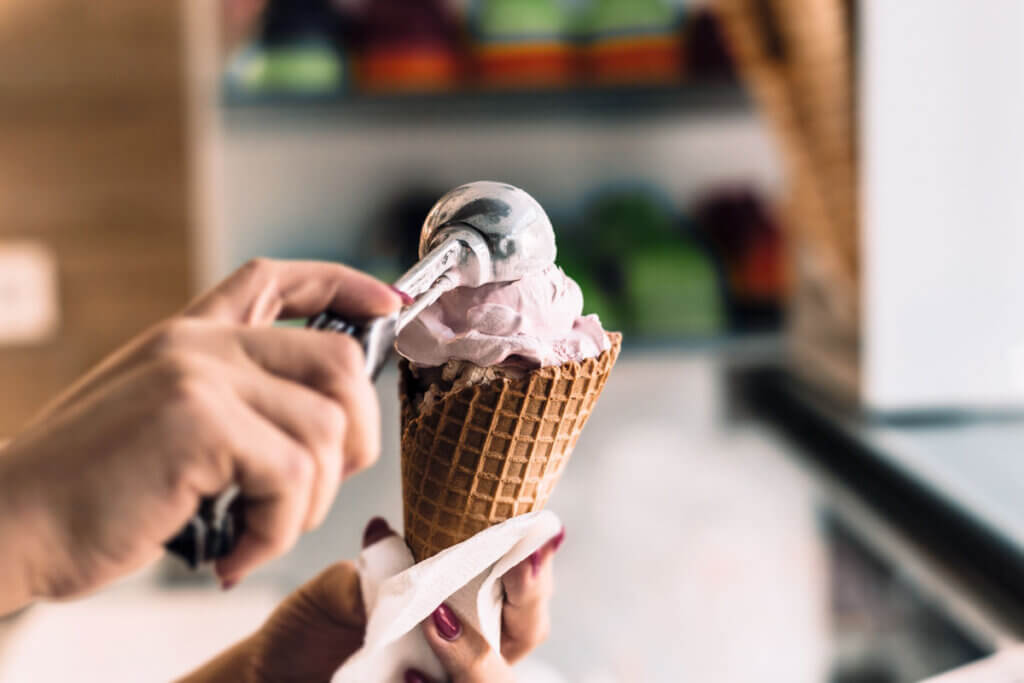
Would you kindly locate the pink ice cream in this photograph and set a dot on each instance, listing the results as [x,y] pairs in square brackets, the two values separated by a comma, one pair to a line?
[533,322]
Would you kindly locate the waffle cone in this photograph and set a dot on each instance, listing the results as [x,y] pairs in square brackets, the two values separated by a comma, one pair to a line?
[485,453]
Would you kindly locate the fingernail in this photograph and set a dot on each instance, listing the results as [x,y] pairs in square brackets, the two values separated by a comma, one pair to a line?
[406,299]
[556,542]
[447,623]
[535,563]
[228,584]
[414,676]
[376,530]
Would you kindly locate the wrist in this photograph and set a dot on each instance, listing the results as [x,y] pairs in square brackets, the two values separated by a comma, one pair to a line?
[21,535]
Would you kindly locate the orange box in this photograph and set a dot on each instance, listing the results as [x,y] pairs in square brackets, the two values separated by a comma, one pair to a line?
[533,64]
[408,70]
[633,59]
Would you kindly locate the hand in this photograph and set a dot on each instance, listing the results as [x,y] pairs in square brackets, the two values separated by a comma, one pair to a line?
[311,634]
[214,396]
[525,623]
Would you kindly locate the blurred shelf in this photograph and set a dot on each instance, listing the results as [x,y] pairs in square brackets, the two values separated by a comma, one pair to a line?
[603,102]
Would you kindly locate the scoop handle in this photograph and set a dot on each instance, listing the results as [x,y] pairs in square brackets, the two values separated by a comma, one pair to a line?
[219,522]
[212,532]
[376,336]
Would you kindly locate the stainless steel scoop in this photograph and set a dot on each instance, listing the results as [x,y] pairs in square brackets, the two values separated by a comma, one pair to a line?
[476,234]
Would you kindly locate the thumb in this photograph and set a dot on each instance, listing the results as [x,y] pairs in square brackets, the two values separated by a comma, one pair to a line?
[263,291]
[462,651]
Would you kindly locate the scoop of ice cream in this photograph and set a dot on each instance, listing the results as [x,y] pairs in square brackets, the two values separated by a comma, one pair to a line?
[533,322]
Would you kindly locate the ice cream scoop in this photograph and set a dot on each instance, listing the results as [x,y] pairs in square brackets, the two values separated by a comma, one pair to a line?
[519,236]
[479,233]
[529,312]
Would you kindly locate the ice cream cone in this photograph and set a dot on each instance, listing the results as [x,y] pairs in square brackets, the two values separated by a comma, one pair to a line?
[481,454]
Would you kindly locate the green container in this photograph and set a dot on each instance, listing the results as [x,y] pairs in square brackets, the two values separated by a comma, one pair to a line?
[309,67]
[509,19]
[644,273]
[623,17]
[673,291]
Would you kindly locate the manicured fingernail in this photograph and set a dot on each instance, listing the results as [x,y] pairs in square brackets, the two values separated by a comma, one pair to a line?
[377,529]
[556,542]
[535,563]
[414,676]
[406,299]
[228,584]
[447,623]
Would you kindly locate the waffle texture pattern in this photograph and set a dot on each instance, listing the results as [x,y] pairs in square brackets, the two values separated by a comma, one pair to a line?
[486,453]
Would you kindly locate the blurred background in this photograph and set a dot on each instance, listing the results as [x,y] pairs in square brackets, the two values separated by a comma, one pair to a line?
[804,216]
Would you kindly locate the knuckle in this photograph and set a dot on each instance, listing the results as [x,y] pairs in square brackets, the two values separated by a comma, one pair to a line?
[256,274]
[184,378]
[282,534]
[256,267]
[314,522]
[346,355]
[360,458]
[299,468]
[340,365]
[333,425]
[281,543]
[173,334]
[63,587]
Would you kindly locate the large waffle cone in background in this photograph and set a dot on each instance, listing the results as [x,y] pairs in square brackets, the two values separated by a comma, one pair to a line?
[486,453]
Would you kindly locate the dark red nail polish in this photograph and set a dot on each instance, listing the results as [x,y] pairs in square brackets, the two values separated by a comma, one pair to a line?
[376,530]
[556,542]
[414,676]
[447,623]
[228,584]
[535,563]
[406,299]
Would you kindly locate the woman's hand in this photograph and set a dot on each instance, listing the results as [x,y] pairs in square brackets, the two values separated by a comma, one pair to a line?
[311,634]
[214,396]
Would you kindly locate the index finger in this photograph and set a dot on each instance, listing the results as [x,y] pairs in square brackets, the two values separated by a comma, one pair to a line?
[265,290]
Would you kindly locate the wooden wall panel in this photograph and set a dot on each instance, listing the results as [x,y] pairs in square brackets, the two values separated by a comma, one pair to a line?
[94,163]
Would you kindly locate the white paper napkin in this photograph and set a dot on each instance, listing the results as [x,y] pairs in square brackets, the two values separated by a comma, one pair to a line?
[398,595]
